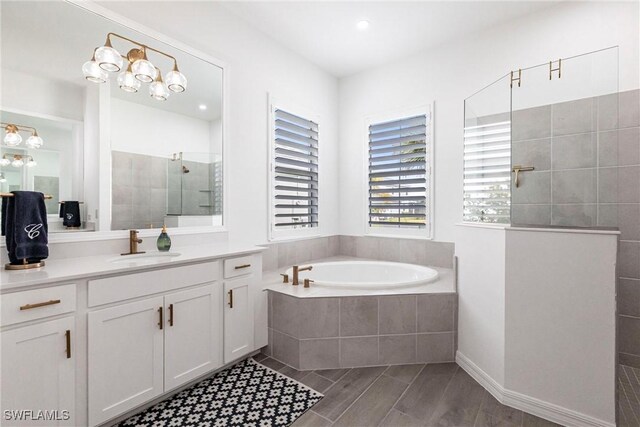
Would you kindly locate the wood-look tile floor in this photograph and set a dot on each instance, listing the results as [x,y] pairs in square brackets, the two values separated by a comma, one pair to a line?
[440,394]
[628,396]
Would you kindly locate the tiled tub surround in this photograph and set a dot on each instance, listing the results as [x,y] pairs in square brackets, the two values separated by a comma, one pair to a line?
[346,332]
[280,255]
[587,159]
[328,327]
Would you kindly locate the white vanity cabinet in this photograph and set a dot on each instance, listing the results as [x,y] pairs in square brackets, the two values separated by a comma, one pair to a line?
[238,318]
[125,357]
[192,334]
[38,359]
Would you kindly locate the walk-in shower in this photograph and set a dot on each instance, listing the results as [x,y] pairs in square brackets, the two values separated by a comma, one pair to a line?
[541,145]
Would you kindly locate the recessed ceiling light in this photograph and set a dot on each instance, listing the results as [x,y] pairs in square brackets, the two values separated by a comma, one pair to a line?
[363,25]
[202,107]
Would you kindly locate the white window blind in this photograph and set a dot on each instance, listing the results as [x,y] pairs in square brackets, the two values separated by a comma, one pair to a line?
[295,171]
[487,173]
[399,173]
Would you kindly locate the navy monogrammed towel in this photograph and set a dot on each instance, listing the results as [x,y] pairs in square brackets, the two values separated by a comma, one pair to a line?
[26,227]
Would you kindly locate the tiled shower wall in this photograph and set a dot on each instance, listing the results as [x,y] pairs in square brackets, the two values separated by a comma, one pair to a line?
[586,155]
[413,251]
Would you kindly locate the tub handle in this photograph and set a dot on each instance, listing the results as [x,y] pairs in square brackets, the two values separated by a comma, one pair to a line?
[307,282]
[285,278]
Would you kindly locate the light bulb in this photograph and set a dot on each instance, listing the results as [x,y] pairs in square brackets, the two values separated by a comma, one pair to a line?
[93,72]
[144,70]
[12,137]
[31,163]
[176,81]
[158,91]
[2,178]
[362,25]
[4,161]
[34,141]
[108,58]
[17,162]
[128,82]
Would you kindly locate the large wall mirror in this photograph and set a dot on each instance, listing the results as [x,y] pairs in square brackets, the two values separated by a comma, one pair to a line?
[131,127]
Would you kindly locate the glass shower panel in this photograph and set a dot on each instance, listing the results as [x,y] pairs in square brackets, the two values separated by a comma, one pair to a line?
[487,153]
[557,114]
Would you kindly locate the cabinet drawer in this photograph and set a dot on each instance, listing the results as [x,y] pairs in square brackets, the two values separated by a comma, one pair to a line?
[37,304]
[239,266]
[120,288]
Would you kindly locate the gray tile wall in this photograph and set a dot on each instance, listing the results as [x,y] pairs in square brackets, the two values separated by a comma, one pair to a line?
[328,333]
[138,191]
[413,251]
[587,159]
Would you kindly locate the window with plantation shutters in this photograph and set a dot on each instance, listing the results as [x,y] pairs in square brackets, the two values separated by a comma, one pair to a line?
[399,173]
[294,171]
[487,172]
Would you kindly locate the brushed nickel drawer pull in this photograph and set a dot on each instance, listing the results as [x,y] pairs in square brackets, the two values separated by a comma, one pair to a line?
[239,267]
[161,320]
[39,304]
[67,336]
[230,298]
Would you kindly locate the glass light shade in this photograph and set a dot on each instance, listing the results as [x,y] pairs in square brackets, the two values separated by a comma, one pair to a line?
[12,139]
[108,58]
[31,163]
[2,178]
[176,81]
[158,91]
[128,82]
[144,70]
[94,73]
[5,162]
[34,141]
[17,162]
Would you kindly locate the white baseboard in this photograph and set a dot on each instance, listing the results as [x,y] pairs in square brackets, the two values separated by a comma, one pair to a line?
[539,408]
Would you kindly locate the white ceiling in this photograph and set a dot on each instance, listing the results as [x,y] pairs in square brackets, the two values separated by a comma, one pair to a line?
[325,31]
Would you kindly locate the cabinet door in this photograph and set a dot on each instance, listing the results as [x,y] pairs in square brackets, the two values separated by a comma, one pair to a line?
[125,357]
[193,334]
[38,373]
[238,318]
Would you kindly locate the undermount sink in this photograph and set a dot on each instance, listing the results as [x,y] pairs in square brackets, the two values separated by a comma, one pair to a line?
[149,257]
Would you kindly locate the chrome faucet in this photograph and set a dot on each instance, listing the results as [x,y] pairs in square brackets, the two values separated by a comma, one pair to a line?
[133,243]
[296,270]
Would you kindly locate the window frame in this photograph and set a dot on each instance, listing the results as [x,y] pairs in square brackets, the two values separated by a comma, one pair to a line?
[425,233]
[275,234]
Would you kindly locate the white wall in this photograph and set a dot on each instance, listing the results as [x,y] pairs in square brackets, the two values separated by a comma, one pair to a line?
[34,94]
[481,297]
[448,74]
[136,128]
[256,66]
[560,311]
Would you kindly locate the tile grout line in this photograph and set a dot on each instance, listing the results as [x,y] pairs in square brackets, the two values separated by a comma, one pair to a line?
[403,394]
[444,391]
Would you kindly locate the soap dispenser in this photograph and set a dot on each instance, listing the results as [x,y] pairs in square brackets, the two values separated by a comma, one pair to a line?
[164,241]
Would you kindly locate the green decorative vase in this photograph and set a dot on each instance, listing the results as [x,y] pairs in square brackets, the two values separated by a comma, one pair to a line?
[164,241]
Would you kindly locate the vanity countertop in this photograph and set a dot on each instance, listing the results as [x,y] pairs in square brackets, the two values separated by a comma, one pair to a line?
[57,270]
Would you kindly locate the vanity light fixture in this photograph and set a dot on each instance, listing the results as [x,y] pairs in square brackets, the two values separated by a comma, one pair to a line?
[2,177]
[139,69]
[18,160]
[13,138]
[127,81]
[93,72]
[158,90]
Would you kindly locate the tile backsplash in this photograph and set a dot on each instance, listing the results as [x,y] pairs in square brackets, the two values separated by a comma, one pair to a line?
[413,251]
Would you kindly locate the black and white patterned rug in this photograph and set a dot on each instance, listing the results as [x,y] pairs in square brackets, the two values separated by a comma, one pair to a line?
[246,394]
